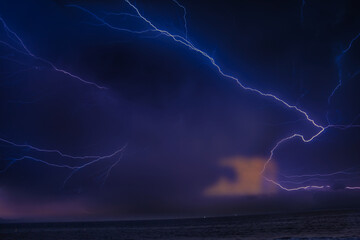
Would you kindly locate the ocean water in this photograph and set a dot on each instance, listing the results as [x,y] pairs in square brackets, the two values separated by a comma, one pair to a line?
[314,225]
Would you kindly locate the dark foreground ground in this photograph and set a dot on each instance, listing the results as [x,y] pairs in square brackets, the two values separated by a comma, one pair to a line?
[314,225]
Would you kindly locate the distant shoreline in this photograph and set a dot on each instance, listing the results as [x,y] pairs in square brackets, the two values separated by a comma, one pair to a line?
[162,219]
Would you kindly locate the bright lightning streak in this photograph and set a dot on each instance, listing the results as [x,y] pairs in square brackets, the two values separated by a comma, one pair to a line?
[25,51]
[309,187]
[184,41]
[338,61]
[352,188]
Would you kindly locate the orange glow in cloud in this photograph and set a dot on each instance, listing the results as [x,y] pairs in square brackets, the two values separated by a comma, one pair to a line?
[248,180]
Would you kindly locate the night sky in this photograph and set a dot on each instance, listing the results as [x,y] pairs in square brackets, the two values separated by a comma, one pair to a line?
[103,116]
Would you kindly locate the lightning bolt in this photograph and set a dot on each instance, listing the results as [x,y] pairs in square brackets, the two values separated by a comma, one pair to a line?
[309,187]
[338,63]
[90,159]
[185,42]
